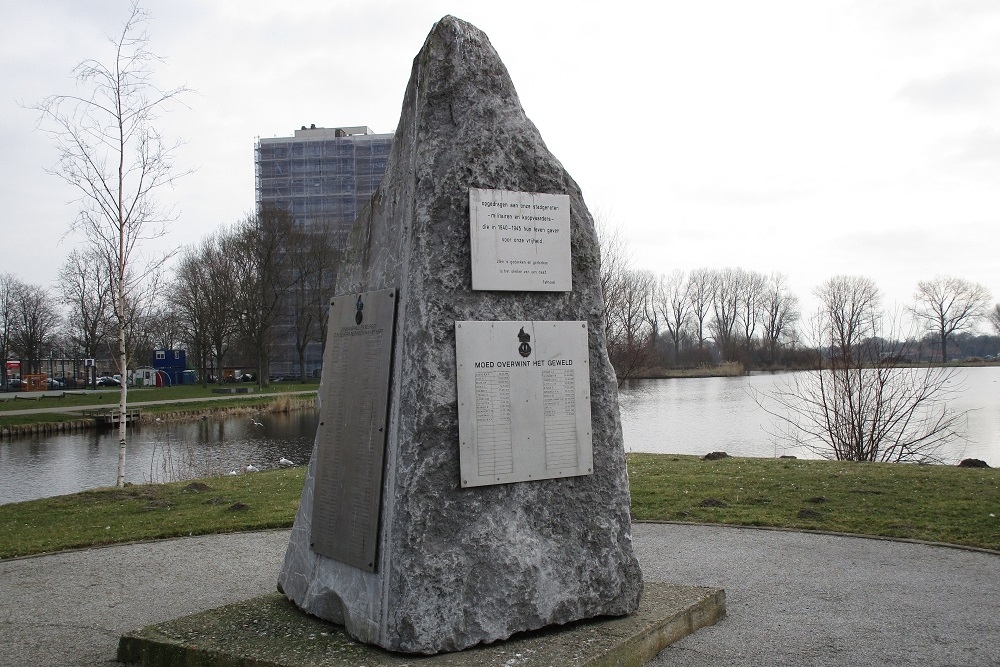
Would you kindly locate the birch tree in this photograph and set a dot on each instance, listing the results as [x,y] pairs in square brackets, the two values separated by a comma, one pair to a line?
[113,155]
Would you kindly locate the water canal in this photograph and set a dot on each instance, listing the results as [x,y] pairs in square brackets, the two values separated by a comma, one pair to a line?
[671,416]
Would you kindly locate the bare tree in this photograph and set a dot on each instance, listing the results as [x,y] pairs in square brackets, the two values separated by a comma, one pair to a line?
[166,331]
[995,317]
[640,320]
[34,324]
[314,258]
[8,291]
[862,404]
[948,306]
[264,278]
[191,293]
[629,336]
[780,310]
[616,261]
[626,304]
[206,296]
[751,293]
[727,289]
[111,152]
[651,316]
[222,297]
[850,309]
[700,290]
[86,289]
[674,304]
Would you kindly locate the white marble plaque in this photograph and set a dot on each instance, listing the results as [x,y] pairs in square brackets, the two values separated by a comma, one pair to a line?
[523,401]
[520,241]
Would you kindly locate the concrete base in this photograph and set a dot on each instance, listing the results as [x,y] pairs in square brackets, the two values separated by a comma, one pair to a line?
[270,630]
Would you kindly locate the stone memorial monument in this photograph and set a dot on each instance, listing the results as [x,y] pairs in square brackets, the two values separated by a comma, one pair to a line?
[468,478]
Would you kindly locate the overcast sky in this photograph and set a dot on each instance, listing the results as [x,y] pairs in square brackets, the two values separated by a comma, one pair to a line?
[812,138]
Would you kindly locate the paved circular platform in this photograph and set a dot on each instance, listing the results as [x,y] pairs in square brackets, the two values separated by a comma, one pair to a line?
[792,598]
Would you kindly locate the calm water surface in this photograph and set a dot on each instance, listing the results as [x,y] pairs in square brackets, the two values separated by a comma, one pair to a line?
[701,415]
[672,416]
[52,465]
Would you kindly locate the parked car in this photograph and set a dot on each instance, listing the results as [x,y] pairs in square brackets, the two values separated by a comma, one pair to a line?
[107,381]
[69,383]
[14,384]
[54,383]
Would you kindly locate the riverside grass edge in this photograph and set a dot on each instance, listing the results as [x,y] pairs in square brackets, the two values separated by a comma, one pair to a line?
[61,412]
[940,504]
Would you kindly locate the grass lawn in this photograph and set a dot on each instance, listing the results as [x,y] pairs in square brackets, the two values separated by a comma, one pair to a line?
[151,511]
[936,503]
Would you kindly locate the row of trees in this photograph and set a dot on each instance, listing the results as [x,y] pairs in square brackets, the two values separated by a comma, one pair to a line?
[707,316]
[227,300]
[28,321]
[75,320]
[243,287]
[703,316]
[99,320]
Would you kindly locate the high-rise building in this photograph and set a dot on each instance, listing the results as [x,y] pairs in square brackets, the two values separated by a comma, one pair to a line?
[323,177]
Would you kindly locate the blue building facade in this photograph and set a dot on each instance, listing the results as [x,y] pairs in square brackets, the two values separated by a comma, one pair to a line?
[171,363]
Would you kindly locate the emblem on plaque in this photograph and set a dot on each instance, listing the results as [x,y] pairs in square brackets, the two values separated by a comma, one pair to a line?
[359,306]
[524,349]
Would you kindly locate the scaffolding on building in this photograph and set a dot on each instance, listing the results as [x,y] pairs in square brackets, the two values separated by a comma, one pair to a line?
[323,177]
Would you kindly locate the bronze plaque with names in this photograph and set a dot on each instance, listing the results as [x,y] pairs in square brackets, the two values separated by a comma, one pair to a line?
[353,421]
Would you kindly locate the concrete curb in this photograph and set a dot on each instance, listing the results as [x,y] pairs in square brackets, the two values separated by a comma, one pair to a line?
[807,531]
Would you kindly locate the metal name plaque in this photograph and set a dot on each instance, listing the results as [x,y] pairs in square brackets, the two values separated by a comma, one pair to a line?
[351,437]
[520,241]
[523,401]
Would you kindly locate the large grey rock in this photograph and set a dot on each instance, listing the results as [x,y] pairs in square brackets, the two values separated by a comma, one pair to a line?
[457,567]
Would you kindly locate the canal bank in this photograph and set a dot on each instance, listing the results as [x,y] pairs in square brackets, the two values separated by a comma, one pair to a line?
[100,415]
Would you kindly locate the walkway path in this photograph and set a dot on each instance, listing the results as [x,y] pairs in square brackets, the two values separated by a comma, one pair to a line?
[793,598]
